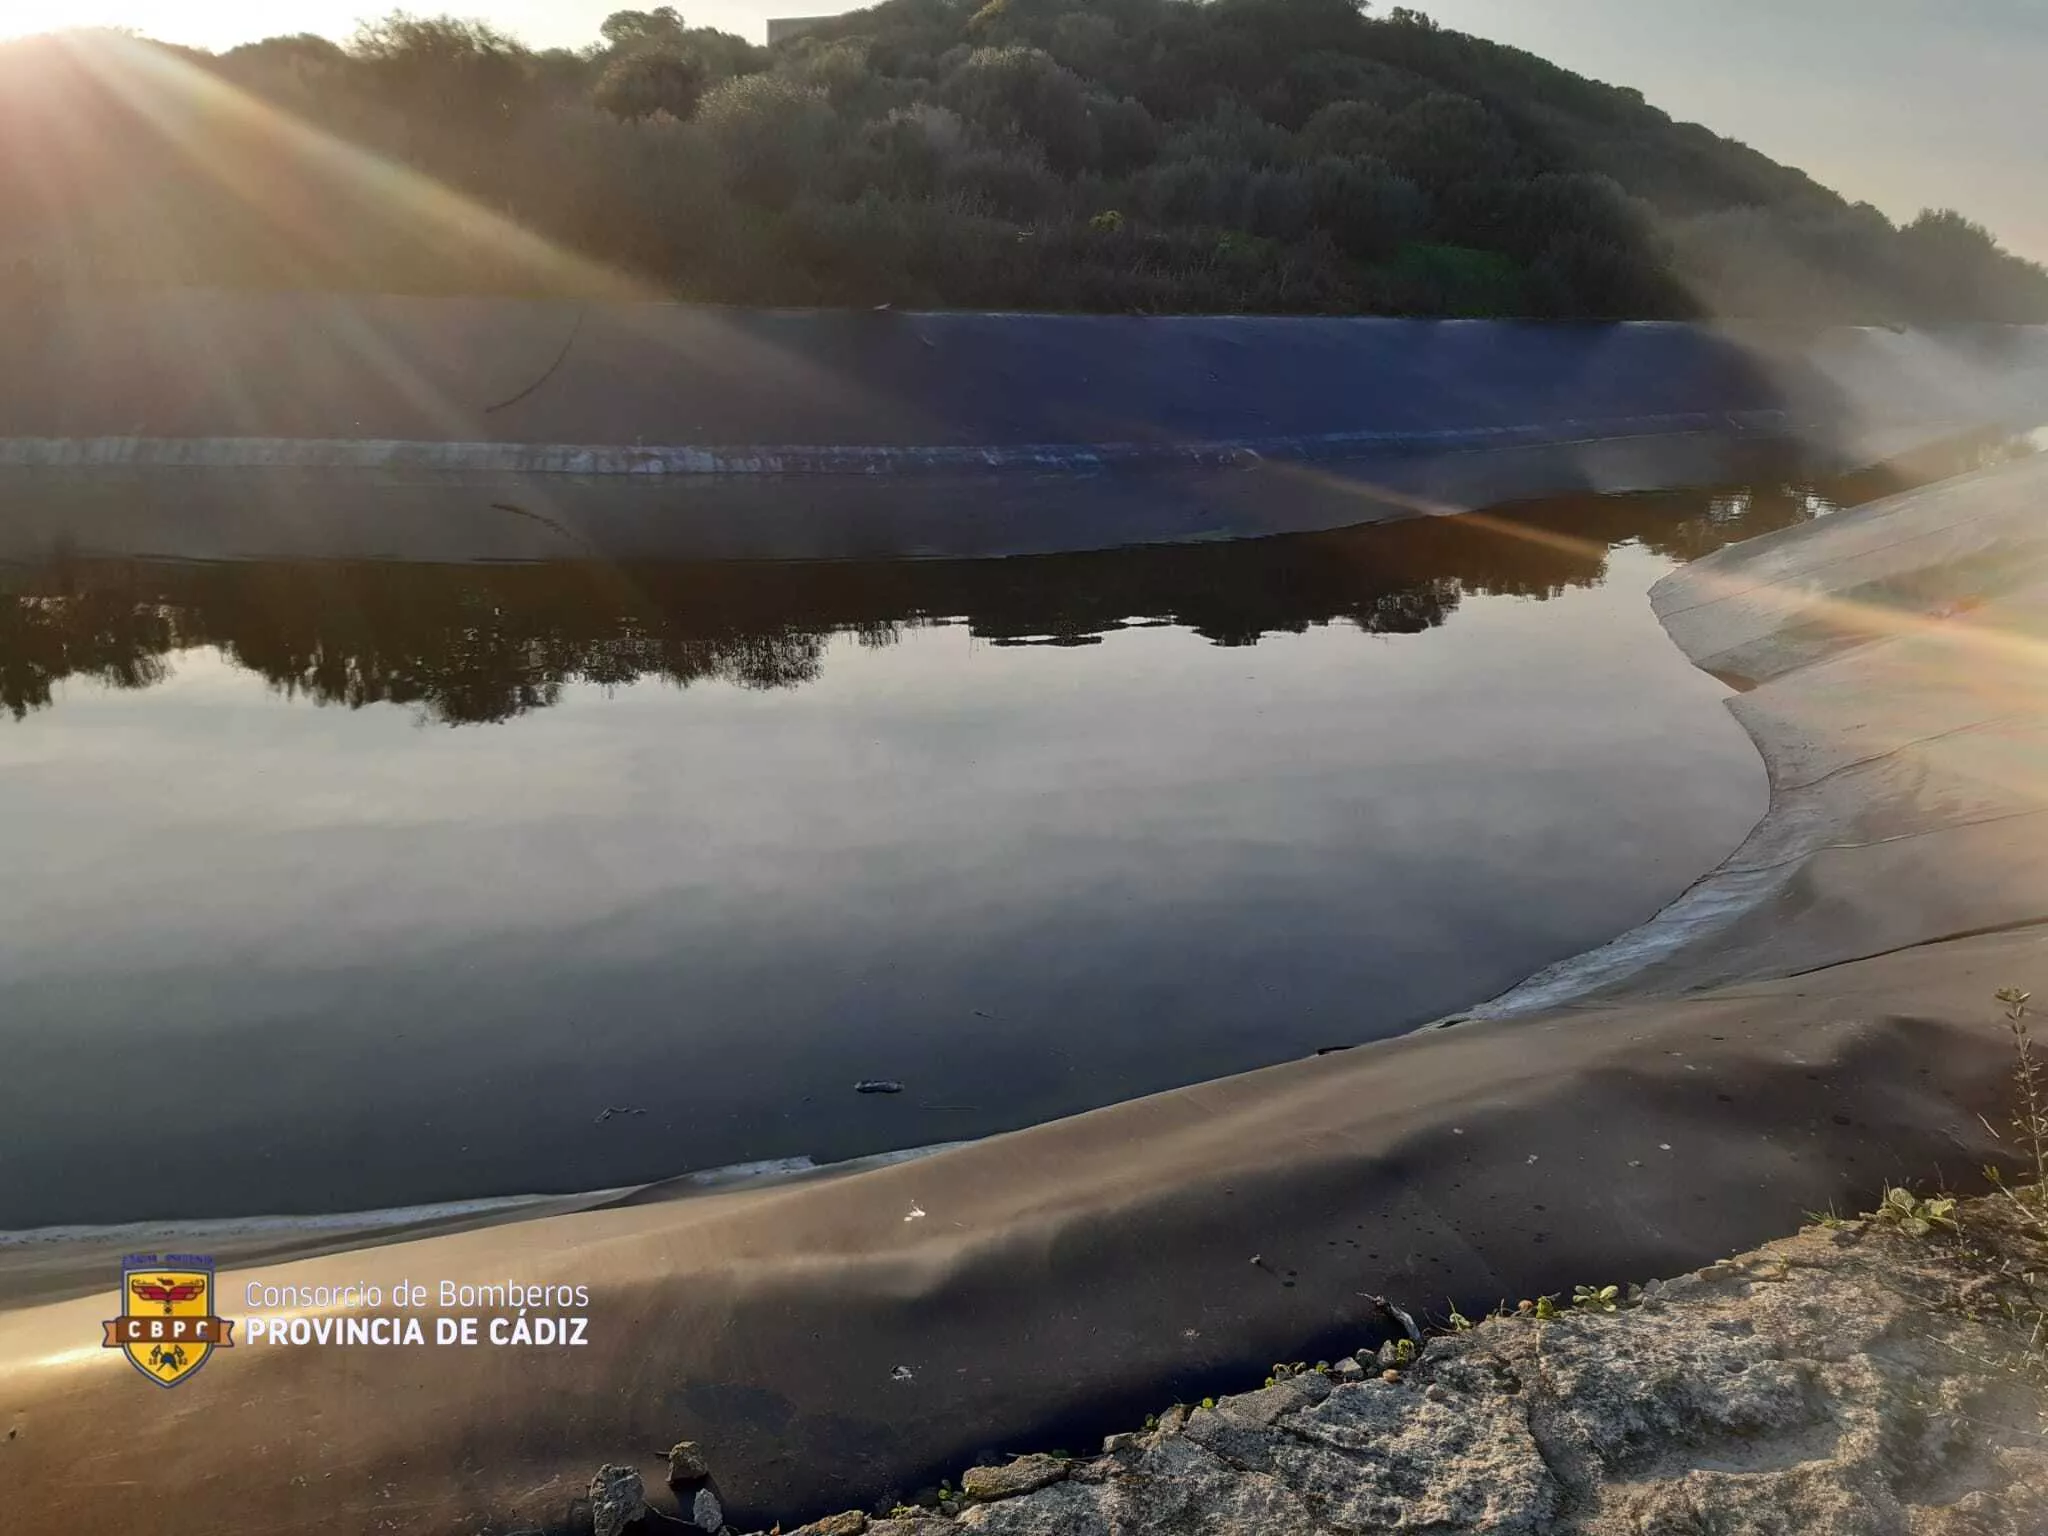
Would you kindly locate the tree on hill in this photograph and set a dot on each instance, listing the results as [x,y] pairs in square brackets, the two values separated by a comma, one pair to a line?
[624,31]
[1137,155]
[440,67]
[652,80]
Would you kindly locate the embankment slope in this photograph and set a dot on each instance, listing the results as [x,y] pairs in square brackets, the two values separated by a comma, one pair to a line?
[502,429]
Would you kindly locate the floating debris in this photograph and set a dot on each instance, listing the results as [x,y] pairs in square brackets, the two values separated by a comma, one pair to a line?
[916,1212]
[616,1109]
[1405,1319]
[902,1373]
[878,1085]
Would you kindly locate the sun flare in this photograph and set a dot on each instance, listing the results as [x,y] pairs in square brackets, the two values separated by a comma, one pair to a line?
[212,24]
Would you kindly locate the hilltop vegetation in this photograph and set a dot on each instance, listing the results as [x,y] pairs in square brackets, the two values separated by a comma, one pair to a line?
[1124,155]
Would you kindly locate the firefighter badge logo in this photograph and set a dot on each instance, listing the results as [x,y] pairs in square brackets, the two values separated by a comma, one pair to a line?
[167,1328]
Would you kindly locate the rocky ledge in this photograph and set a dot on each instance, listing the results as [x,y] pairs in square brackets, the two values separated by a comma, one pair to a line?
[1885,1375]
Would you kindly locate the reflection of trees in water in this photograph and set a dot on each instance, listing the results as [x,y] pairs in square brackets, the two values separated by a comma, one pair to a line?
[485,643]
[109,635]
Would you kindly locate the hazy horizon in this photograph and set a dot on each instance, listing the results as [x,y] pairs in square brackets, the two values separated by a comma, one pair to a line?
[1886,101]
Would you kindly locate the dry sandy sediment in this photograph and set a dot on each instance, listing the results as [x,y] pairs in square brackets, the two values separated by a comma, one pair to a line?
[826,1346]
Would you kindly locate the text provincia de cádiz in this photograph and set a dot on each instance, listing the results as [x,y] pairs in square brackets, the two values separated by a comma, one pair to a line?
[353,1314]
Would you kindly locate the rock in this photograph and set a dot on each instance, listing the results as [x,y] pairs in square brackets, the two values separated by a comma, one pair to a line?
[1112,1444]
[852,1522]
[1024,1475]
[686,1464]
[1241,1429]
[1347,1370]
[1178,1489]
[1389,1356]
[706,1513]
[1173,1420]
[1284,1396]
[1065,1509]
[617,1499]
[1623,1394]
[1398,1461]
[878,1085]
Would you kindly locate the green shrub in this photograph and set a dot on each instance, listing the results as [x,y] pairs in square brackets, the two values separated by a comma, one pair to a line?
[1024,94]
[650,82]
[770,136]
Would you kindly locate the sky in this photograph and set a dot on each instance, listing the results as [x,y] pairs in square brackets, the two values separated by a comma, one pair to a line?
[1903,103]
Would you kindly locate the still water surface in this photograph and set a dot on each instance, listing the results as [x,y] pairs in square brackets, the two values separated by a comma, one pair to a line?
[337,887]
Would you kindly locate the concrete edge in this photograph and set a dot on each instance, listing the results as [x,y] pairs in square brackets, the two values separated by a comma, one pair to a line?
[839,459]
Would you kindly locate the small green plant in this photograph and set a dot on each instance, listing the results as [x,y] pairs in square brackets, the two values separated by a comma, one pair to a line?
[1459,1322]
[1829,1219]
[1543,1308]
[1912,1215]
[1597,1298]
[2032,1119]
[1107,222]
[2029,1123]
[1404,1351]
[1209,1402]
